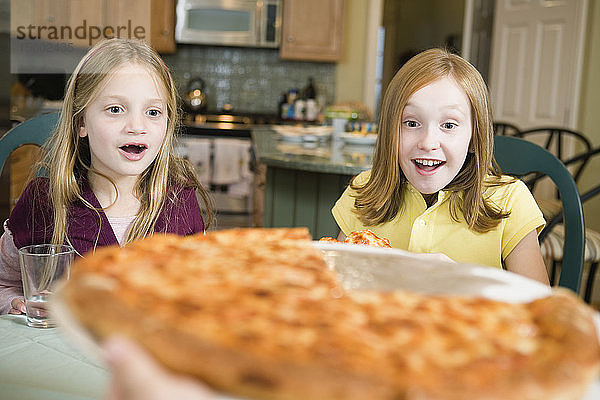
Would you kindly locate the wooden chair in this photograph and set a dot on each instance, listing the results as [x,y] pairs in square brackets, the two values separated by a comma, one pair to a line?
[33,131]
[520,157]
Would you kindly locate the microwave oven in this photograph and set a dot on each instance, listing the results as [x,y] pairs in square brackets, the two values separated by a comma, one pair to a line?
[254,23]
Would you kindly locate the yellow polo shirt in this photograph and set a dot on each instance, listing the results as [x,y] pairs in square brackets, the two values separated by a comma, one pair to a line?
[419,229]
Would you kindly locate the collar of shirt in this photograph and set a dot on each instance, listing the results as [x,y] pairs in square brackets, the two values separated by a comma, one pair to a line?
[418,197]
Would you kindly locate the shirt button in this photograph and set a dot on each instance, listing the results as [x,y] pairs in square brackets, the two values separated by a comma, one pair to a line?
[422,222]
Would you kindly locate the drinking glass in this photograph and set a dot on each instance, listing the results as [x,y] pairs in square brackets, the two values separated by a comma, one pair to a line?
[42,266]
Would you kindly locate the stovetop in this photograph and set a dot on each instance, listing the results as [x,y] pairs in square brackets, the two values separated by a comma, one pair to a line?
[228,120]
[228,124]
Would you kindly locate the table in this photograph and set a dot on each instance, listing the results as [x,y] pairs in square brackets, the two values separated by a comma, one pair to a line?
[43,364]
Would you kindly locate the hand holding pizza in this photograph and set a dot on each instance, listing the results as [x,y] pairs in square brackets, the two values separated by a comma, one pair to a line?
[137,376]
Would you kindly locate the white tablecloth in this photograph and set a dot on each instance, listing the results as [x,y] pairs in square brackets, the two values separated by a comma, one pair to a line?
[42,364]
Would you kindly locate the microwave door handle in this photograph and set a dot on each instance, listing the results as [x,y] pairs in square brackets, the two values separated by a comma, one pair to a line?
[258,22]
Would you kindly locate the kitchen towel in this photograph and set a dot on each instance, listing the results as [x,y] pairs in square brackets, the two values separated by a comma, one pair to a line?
[242,188]
[227,167]
[197,151]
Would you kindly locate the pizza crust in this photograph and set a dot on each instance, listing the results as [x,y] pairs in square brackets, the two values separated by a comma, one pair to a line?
[257,313]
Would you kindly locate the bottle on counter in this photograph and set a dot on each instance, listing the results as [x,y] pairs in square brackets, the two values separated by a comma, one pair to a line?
[309,90]
[300,109]
[311,108]
[291,101]
[283,106]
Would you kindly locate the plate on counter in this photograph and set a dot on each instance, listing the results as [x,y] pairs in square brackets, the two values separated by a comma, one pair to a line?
[304,133]
[358,138]
[304,149]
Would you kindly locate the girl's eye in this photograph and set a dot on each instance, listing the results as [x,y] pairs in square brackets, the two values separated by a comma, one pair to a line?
[449,125]
[411,124]
[154,113]
[114,109]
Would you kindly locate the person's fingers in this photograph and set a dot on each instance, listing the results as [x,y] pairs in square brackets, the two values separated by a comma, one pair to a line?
[120,352]
[131,368]
[111,393]
[18,306]
[136,375]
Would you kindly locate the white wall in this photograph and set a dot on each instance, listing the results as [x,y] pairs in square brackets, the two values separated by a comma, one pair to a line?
[589,114]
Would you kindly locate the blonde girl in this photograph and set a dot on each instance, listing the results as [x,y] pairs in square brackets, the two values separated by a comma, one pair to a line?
[110,172]
[434,187]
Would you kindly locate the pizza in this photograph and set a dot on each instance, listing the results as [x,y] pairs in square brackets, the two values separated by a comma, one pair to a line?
[257,313]
[364,237]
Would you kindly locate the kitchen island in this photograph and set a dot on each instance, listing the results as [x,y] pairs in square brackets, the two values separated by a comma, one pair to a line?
[305,178]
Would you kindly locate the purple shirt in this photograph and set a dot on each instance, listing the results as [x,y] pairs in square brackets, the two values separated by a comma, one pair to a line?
[31,221]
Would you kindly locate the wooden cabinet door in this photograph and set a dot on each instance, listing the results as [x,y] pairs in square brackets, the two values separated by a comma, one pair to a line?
[312,30]
[157,17]
[86,19]
[162,17]
[129,19]
[41,20]
[150,20]
[82,23]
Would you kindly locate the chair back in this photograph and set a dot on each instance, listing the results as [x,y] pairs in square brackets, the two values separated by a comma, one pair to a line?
[506,129]
[519,157]
[556,140]
[33,131]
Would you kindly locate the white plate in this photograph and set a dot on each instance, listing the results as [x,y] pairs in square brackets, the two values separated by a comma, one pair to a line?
[368,267]
[355,138]
[300,133]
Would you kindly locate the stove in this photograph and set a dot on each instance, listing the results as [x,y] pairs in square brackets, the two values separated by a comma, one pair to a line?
[211,141]
[237,125]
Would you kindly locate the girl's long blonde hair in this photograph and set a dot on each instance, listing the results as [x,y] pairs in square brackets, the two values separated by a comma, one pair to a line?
[67,156]
[380,199]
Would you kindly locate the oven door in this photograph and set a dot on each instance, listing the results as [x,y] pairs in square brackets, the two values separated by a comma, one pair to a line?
[218,22]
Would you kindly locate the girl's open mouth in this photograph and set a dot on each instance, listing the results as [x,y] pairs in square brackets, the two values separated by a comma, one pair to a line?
[133,151]
[426,165]
[133,148]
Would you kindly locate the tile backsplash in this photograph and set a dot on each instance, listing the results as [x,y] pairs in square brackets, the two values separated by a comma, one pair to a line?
[250,79]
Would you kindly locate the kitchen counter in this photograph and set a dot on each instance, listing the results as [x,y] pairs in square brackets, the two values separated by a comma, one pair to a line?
[304,179]
[331,156]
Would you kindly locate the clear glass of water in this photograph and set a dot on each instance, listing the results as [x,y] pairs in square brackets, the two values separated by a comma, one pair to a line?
[42,266]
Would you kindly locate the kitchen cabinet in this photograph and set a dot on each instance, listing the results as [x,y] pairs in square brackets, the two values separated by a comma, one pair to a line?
[83,23]
[295,198]
[303,183]
[162,20]
[312,30]
[82,16]
[158,20]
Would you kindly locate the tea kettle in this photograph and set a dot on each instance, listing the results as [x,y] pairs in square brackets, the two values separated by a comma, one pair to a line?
[195,97]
